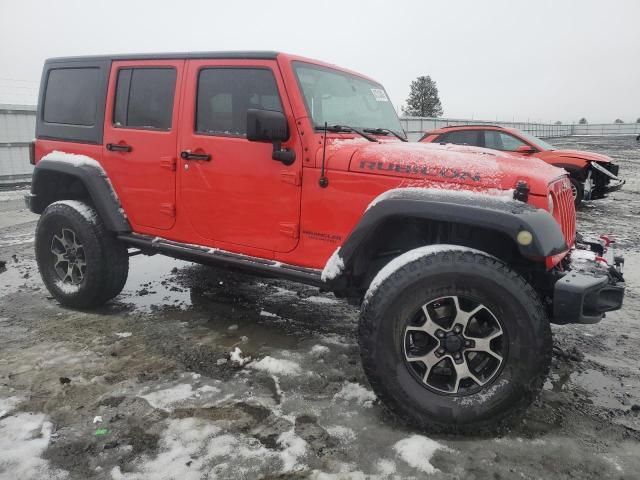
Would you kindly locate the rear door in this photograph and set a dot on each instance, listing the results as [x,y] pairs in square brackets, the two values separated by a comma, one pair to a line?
[140,139]
[232,190]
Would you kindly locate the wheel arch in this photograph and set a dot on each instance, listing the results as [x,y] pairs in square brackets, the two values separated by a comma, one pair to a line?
[404,219]
[55,180]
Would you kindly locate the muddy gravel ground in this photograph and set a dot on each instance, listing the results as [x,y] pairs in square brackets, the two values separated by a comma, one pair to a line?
[144,388]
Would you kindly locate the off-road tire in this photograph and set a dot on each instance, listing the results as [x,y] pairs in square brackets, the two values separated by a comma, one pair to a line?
[433,273]
[107,260]
[578,189]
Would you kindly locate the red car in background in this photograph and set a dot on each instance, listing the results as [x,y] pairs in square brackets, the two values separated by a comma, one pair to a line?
[593,175]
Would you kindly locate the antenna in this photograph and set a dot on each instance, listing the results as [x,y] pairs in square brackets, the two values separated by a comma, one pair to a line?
[324,181]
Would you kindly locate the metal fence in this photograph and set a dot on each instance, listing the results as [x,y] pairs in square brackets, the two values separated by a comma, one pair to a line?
[417,126]
[18,124]
[17,130]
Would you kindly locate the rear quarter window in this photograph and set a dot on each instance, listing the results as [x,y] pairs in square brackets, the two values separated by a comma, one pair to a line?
[72,100]
[71,96]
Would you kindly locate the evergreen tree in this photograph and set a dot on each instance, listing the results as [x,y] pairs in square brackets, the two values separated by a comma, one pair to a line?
[617,120]
[423,99]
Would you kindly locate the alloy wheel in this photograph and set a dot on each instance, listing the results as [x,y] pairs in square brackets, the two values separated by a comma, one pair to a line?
[454,345]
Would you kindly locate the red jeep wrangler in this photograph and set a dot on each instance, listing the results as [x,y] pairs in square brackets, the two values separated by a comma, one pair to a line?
[291,168]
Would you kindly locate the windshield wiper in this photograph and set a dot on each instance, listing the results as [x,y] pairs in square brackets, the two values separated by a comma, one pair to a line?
[384,131]
[346,128]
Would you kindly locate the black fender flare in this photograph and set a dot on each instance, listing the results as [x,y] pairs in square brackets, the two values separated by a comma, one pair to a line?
[501,214]
[95,181]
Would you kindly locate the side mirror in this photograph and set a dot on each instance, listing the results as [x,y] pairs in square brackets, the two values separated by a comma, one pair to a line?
[525,149]
[266,126]
[270,126]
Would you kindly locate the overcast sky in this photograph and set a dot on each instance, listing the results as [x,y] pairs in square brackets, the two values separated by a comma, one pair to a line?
[541,60]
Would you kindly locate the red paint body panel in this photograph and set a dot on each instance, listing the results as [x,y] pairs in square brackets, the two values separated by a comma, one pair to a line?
[575,158]
[145,177]
[245,202]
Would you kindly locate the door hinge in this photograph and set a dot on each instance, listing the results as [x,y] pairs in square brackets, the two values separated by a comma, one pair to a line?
[168,163]
[168,209]
[290,229]
[295,178]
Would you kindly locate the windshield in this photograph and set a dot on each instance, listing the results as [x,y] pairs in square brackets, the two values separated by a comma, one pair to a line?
[340,98]
[536,141]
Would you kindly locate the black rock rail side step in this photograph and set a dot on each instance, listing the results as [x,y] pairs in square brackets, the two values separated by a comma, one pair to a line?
[216,257]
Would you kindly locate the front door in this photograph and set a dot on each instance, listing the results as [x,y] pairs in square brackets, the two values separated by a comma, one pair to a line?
[232,191]
[140,139]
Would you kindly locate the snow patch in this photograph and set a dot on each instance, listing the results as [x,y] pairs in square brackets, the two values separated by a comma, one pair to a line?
[344,434]
[386,467]
[170,398]
[294,448]
[193,448]
[73,159]
[236,358]
[67,288]
[322,300]
[123,334]
[23,439]
[354,392]
[277,366]
[89,214]
[435,193]
[417,451]
[334,266]
[408,257]
[319,350]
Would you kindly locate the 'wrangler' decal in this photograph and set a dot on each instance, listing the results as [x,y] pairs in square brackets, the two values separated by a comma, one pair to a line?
[423,170]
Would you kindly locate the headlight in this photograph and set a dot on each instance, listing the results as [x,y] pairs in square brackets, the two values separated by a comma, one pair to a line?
[550,203]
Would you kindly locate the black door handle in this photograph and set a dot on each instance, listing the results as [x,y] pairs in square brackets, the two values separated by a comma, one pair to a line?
[116,147]
[187,155]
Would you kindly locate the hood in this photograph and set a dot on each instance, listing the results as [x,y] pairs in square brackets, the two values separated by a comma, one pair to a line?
[589,156]
[456,166]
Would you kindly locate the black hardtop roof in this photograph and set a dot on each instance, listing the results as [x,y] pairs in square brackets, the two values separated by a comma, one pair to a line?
[255,55]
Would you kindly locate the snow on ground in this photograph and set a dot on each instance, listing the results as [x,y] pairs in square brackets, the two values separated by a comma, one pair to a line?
[193,448]
[354,392]
[417,451]
[277,366]
[12,195]
[23,439]
[170,398]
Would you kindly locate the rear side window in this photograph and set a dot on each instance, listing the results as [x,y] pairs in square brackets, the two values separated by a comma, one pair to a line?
[144,98]
[461,137]
[71,96]
[225,95]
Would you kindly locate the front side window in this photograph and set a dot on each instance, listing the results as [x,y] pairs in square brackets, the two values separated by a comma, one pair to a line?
[225,94]
[144,98]
[501,141]
[461,137]
[340,98]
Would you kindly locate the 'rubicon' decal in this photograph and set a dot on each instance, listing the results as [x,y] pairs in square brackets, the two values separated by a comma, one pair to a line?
[416,169]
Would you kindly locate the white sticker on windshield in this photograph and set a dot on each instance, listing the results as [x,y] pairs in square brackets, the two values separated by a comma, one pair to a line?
[379,95]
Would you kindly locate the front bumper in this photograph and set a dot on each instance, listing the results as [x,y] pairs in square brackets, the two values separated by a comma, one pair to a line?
[602,180]
[593,286]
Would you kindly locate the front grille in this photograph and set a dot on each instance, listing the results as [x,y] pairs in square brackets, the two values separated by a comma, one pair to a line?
[564,208]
